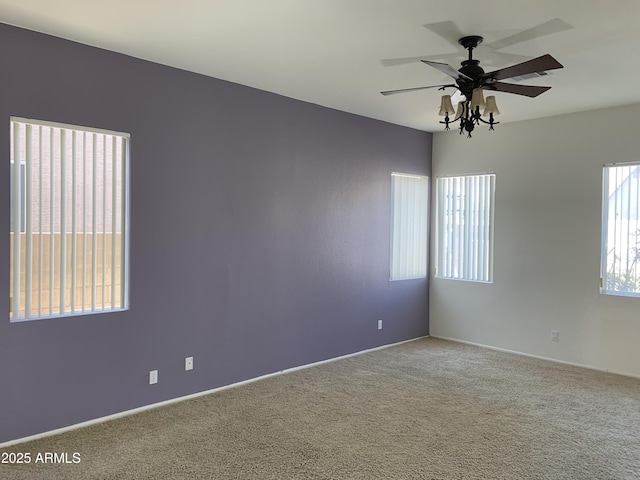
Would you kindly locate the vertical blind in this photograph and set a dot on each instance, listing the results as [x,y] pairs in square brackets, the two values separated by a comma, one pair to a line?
[621,230]
[70,196]
[409,212]
[464,227]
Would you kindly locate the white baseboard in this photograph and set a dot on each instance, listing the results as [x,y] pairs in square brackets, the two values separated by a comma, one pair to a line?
[539,357]
[152,406]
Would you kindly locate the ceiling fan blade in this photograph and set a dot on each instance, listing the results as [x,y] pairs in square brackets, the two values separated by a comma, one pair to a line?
[526,90]
[404,90]
[447,30]
[451,58]
[448,69]
[392,62]
[540,64]
[549,27]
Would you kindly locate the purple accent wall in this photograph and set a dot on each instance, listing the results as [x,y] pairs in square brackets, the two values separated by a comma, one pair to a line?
[259,235]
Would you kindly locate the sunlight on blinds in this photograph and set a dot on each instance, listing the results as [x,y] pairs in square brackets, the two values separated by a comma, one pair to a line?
[69,219]
[621,230]
[464,227]
[409,217]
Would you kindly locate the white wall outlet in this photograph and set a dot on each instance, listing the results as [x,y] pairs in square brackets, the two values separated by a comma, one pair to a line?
[188,363]
[554,335]
[153,377]
[379,324]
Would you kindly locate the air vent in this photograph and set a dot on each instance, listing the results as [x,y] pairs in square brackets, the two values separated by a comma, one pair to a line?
[529,75]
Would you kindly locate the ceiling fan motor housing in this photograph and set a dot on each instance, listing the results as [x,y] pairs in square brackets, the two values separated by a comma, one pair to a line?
[473,70]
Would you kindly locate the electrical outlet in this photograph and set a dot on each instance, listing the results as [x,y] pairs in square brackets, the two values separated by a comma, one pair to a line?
[554,335]
[153,377]
[379,324]
[188,363]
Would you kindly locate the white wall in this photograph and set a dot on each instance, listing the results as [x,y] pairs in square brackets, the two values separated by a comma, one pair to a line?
[547,241]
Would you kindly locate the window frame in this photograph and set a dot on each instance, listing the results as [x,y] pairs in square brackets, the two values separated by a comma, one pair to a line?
[119,218]
[441,270]
[400,255]
[604,246]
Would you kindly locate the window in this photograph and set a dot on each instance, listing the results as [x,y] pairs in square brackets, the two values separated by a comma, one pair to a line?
[464,227]
[70,199]
[620,265]
[409,217]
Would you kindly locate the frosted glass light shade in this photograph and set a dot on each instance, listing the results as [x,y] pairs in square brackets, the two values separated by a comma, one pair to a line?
[491,106]
[477,98]
[462,110]
[446,107]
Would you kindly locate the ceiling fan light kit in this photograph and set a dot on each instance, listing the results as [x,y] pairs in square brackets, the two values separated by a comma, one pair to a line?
[446,106]
[471,80]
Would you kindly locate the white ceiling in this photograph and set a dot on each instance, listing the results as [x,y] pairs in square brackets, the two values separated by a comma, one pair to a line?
[342,53]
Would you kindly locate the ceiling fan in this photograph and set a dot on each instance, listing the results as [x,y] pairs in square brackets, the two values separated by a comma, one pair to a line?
[471,80]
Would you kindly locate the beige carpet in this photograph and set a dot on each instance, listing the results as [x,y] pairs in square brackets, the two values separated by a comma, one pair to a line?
[428,409]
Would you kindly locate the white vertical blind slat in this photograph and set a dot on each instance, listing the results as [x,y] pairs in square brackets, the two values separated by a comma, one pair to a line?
[104,219]
[492,212]
[17,196]
[63,219]
[114,186]
[84,218]
[74,230]
[457,219]
[124,189]
[28,254]
[468,234]
[40,222]
[479,238]
[94,222]
[448,194]
[52,190]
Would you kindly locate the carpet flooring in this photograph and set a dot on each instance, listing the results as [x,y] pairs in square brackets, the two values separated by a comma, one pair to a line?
[427,409]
